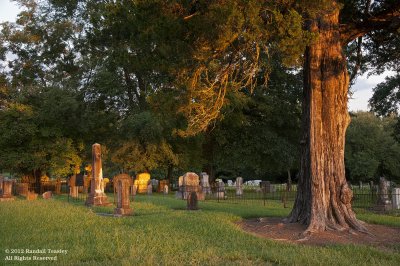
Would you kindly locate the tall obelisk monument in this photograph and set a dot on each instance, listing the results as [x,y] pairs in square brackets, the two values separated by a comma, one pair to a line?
[97,197]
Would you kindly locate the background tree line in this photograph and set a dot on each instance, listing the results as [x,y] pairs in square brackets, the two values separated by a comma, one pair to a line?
[79,72]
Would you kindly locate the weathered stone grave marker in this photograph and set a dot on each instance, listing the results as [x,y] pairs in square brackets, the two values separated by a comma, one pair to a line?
[162,185]
[122,185]
[134,190]
[384,203]
[396,198]
[205,184]
[31,195]
[6,189]
[149,188]
[141,182]
[239,186]
[47,195]
[73,188]
[220,190]
[191,183]
[267,187]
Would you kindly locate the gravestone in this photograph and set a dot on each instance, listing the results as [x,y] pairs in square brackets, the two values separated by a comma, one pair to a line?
[396,198]
[165,190]
[155,183]
[133,190]
[141,182]
[192,201]
[47,195]
[31,196]
[239,186]
[97,197]
[149,189]
[179,193]
[191,183]
[230,183]
[23,189]
[73,188]
[1,184]
[220,190]
[205,184]
[6,191]
[267,187]
[122,184]
[384,203]
[79,180]
[162,184]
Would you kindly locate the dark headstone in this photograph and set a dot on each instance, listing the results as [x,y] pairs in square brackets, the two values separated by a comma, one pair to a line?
[79,181]
[192,202]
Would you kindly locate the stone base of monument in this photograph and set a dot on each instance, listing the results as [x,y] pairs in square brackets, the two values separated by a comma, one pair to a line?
[178,195]
[6,198]
[123,211]
[383,207]
[97,200]
[201,196]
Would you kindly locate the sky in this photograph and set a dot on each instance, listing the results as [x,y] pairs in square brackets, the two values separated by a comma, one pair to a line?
[362,89]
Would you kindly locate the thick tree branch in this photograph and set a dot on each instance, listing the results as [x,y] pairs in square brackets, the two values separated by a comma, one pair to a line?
[388,19]
[358,60]
[130,88]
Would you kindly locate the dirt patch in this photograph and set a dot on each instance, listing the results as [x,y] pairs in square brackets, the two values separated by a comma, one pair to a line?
[380,236]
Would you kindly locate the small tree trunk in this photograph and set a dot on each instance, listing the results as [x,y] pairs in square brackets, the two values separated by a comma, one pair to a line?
[38,185]
[169,174]
[323,200]
[289,181]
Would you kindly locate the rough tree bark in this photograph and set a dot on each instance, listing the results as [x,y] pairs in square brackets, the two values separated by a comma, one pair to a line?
[323,200]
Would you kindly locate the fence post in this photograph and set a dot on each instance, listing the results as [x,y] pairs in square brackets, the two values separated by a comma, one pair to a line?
[218,193]
[264,191]
[284,199]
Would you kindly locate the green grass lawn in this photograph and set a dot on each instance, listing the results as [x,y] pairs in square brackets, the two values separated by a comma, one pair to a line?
[163,232]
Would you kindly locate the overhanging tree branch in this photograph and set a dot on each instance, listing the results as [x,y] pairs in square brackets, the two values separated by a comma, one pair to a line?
[389,19]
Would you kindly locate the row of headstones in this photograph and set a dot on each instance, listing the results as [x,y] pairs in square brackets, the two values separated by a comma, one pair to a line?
[152,185]
[191,182]
[6,188]
[190,187]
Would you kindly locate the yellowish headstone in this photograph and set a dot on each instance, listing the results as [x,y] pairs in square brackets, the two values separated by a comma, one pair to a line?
[141,182]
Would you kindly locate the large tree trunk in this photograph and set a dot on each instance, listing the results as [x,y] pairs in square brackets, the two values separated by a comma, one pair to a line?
[323,200]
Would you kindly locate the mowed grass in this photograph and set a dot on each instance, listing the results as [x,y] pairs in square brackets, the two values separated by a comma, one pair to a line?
[162,232]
